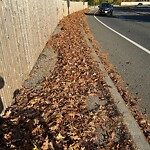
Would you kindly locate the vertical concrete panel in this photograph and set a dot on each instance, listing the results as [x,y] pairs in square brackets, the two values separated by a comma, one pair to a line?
[14,45]
[74,6]
[53,15]
[8,52]
[25,25]
[65,8]
[27,36]
[21,31]
[34,29]
[41,22]
[30,33]
[18,31]
[45,30]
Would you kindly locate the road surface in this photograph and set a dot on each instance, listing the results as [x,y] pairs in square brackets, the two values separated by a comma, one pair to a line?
[126,38]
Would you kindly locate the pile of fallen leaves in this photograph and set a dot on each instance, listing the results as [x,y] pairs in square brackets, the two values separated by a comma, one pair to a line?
[57,116]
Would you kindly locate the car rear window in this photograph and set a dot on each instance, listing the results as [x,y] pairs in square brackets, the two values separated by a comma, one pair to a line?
[105,5]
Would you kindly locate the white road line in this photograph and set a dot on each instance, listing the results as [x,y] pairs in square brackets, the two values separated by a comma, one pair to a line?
[134,43]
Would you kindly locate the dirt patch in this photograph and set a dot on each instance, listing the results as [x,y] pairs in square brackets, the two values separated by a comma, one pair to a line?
[42,69]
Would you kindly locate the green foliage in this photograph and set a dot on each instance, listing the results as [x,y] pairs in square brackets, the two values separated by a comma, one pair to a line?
[118,2]
[90,2]
[96,2]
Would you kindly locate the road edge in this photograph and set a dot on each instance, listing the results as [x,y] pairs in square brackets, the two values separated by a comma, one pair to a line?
[136,134]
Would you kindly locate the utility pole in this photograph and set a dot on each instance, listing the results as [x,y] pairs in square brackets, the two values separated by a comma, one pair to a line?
[68,5]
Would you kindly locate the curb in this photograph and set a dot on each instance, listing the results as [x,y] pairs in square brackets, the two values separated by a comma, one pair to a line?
[136,134]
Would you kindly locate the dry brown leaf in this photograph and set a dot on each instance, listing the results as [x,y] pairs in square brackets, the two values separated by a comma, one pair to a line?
[59,137]
[45,145]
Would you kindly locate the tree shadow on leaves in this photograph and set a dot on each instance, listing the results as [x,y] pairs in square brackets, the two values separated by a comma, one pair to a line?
[1,106]
[2,83]
[21,130]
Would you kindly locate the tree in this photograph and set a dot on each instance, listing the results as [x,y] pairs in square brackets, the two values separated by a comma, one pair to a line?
[93,2]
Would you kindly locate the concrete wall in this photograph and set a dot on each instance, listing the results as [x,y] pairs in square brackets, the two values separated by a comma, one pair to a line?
[134,3]
[74,6]
[25,27]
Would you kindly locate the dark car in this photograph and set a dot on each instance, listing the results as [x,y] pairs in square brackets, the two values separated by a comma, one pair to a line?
[105,9]
[139,4]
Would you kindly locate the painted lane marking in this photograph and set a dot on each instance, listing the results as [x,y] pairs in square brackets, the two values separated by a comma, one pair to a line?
[131,41]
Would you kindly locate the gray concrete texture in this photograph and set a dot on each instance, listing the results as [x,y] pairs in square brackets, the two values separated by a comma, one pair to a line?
[25,27]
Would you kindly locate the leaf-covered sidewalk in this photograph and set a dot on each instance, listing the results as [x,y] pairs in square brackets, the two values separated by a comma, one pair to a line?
[58,115]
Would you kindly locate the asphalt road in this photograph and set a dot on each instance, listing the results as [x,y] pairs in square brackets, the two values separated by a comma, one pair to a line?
[128,55]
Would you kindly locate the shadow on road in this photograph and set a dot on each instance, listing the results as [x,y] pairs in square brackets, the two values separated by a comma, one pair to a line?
[136,18]
[93,14]
[135,14]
